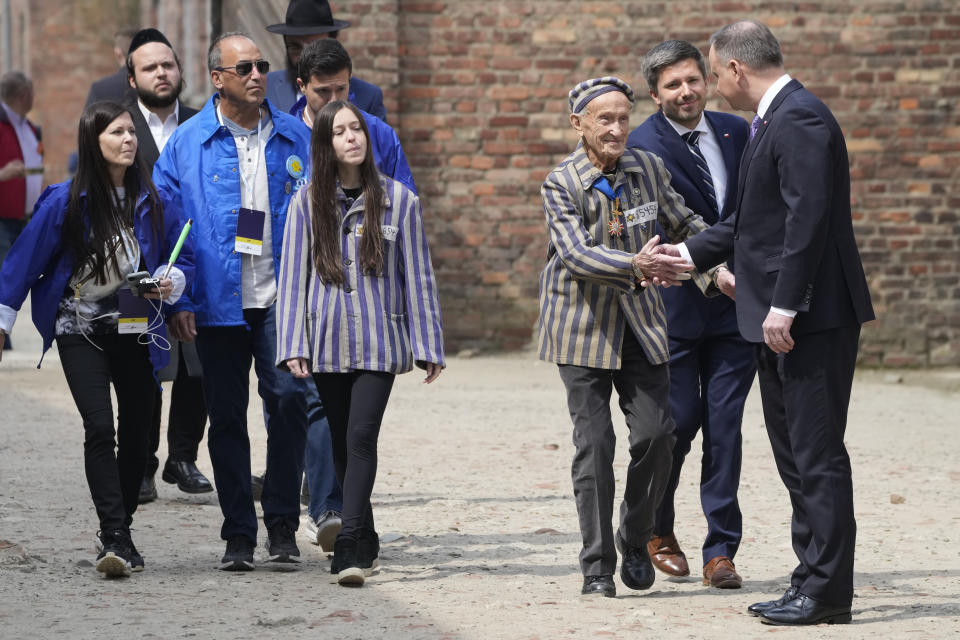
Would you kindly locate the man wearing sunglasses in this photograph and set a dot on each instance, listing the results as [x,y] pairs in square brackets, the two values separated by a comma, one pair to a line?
[307,21]
[233,168]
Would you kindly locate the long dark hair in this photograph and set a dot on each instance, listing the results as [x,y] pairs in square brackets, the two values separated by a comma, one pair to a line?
[325,221]
[90,228]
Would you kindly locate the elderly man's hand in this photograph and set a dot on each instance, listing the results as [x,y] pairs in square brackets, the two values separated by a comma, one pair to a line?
[658,267]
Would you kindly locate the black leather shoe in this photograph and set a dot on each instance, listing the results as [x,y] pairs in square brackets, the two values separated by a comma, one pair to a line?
[186,476]
[148,490]
[602,585]
[636,568]
[804,610]
[759,607]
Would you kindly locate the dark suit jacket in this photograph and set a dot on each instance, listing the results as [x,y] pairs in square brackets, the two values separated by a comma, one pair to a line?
[147,148]
[113,87]
[282,94]
[792,230]
[689,312]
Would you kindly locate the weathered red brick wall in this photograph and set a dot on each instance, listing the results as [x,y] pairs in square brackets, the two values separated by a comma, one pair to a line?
[482,115]
[477,92]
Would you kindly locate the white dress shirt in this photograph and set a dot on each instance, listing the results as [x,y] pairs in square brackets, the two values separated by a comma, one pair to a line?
[710,148]
[32,158]
[161,131]
[257,279]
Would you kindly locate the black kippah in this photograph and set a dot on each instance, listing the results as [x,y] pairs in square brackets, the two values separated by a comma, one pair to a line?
[145,36]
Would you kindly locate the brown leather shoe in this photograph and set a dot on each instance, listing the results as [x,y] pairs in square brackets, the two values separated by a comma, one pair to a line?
[720,573]
[666,555]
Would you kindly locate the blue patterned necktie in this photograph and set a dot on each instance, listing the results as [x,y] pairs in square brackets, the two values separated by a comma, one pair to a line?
[691,138]
[755,126]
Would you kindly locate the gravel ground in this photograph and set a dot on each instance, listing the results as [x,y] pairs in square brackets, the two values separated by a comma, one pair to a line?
[474,505]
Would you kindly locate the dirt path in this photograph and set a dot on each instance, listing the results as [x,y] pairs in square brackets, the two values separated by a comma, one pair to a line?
[475,505]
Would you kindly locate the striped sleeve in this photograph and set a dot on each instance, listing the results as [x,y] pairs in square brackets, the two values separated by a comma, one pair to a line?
[293,282]
[580,254]
[420,287]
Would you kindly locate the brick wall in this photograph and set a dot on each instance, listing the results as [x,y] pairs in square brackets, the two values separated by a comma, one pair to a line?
[477,92]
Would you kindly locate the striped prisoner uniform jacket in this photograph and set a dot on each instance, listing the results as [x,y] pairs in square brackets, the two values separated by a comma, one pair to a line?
[375,322]
[588,293]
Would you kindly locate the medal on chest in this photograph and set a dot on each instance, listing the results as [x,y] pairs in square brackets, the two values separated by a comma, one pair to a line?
[615,225]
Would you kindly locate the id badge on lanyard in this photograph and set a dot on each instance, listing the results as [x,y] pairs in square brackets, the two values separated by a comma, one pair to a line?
[250,222]
[134,312]
[250,231]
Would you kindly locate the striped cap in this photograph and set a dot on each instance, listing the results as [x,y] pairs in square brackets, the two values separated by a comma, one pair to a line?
[587,90]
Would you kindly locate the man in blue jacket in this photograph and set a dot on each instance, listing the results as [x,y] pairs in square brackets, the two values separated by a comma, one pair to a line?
[711,365]
[307,21]
[234,167]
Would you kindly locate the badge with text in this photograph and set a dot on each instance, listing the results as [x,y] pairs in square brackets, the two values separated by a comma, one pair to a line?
[642,214]
[389,232]
[250,231]
[135,312]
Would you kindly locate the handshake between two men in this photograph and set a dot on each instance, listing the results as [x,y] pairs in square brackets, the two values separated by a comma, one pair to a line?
[664,265]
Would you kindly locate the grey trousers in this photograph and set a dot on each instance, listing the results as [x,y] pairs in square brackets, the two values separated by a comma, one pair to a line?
[643,389]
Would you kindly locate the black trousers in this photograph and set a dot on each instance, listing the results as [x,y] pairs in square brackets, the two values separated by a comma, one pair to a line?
[188,418]
[114,477]
[805,394]
[355,403]
[644,390]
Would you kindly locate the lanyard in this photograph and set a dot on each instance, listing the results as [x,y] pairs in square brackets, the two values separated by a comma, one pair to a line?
[251,184]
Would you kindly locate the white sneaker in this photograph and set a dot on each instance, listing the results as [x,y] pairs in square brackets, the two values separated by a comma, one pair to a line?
[324,531]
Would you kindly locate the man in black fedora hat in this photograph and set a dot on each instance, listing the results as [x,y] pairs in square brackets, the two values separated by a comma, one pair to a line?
[306,21]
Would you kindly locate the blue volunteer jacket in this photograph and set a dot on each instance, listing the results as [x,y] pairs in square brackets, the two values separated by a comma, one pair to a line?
[199,166]
[39,264]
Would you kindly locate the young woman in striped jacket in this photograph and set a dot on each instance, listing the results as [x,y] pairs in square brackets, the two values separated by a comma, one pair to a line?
[357,304]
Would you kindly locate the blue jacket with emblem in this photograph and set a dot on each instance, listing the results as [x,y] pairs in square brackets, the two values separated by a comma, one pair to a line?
[199,166]
[38,263]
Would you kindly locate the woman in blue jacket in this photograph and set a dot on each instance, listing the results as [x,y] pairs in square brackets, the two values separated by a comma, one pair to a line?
[356,305]
[85,237]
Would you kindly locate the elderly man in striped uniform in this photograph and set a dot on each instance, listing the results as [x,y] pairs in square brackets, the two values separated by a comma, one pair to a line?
[605,327]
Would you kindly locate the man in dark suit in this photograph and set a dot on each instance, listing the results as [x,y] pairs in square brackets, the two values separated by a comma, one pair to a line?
[114,86]
[306,21]
[153,70]
[802,297]
[711,365]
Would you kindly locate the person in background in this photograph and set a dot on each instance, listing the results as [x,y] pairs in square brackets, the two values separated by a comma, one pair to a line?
[357,305]
[21,160]
[711,365]
[307,21]
[153,70]
[85,237]
[114,86]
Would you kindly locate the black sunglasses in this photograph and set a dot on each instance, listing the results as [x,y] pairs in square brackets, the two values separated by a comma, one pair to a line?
[244,68]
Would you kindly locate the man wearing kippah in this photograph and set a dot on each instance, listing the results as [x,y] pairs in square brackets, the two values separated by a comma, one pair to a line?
[154,72]
[605,327]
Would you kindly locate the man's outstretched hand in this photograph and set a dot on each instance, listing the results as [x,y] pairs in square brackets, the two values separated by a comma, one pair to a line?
[660,264]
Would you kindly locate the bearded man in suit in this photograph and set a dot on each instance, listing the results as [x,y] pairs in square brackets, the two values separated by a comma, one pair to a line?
[153,72]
